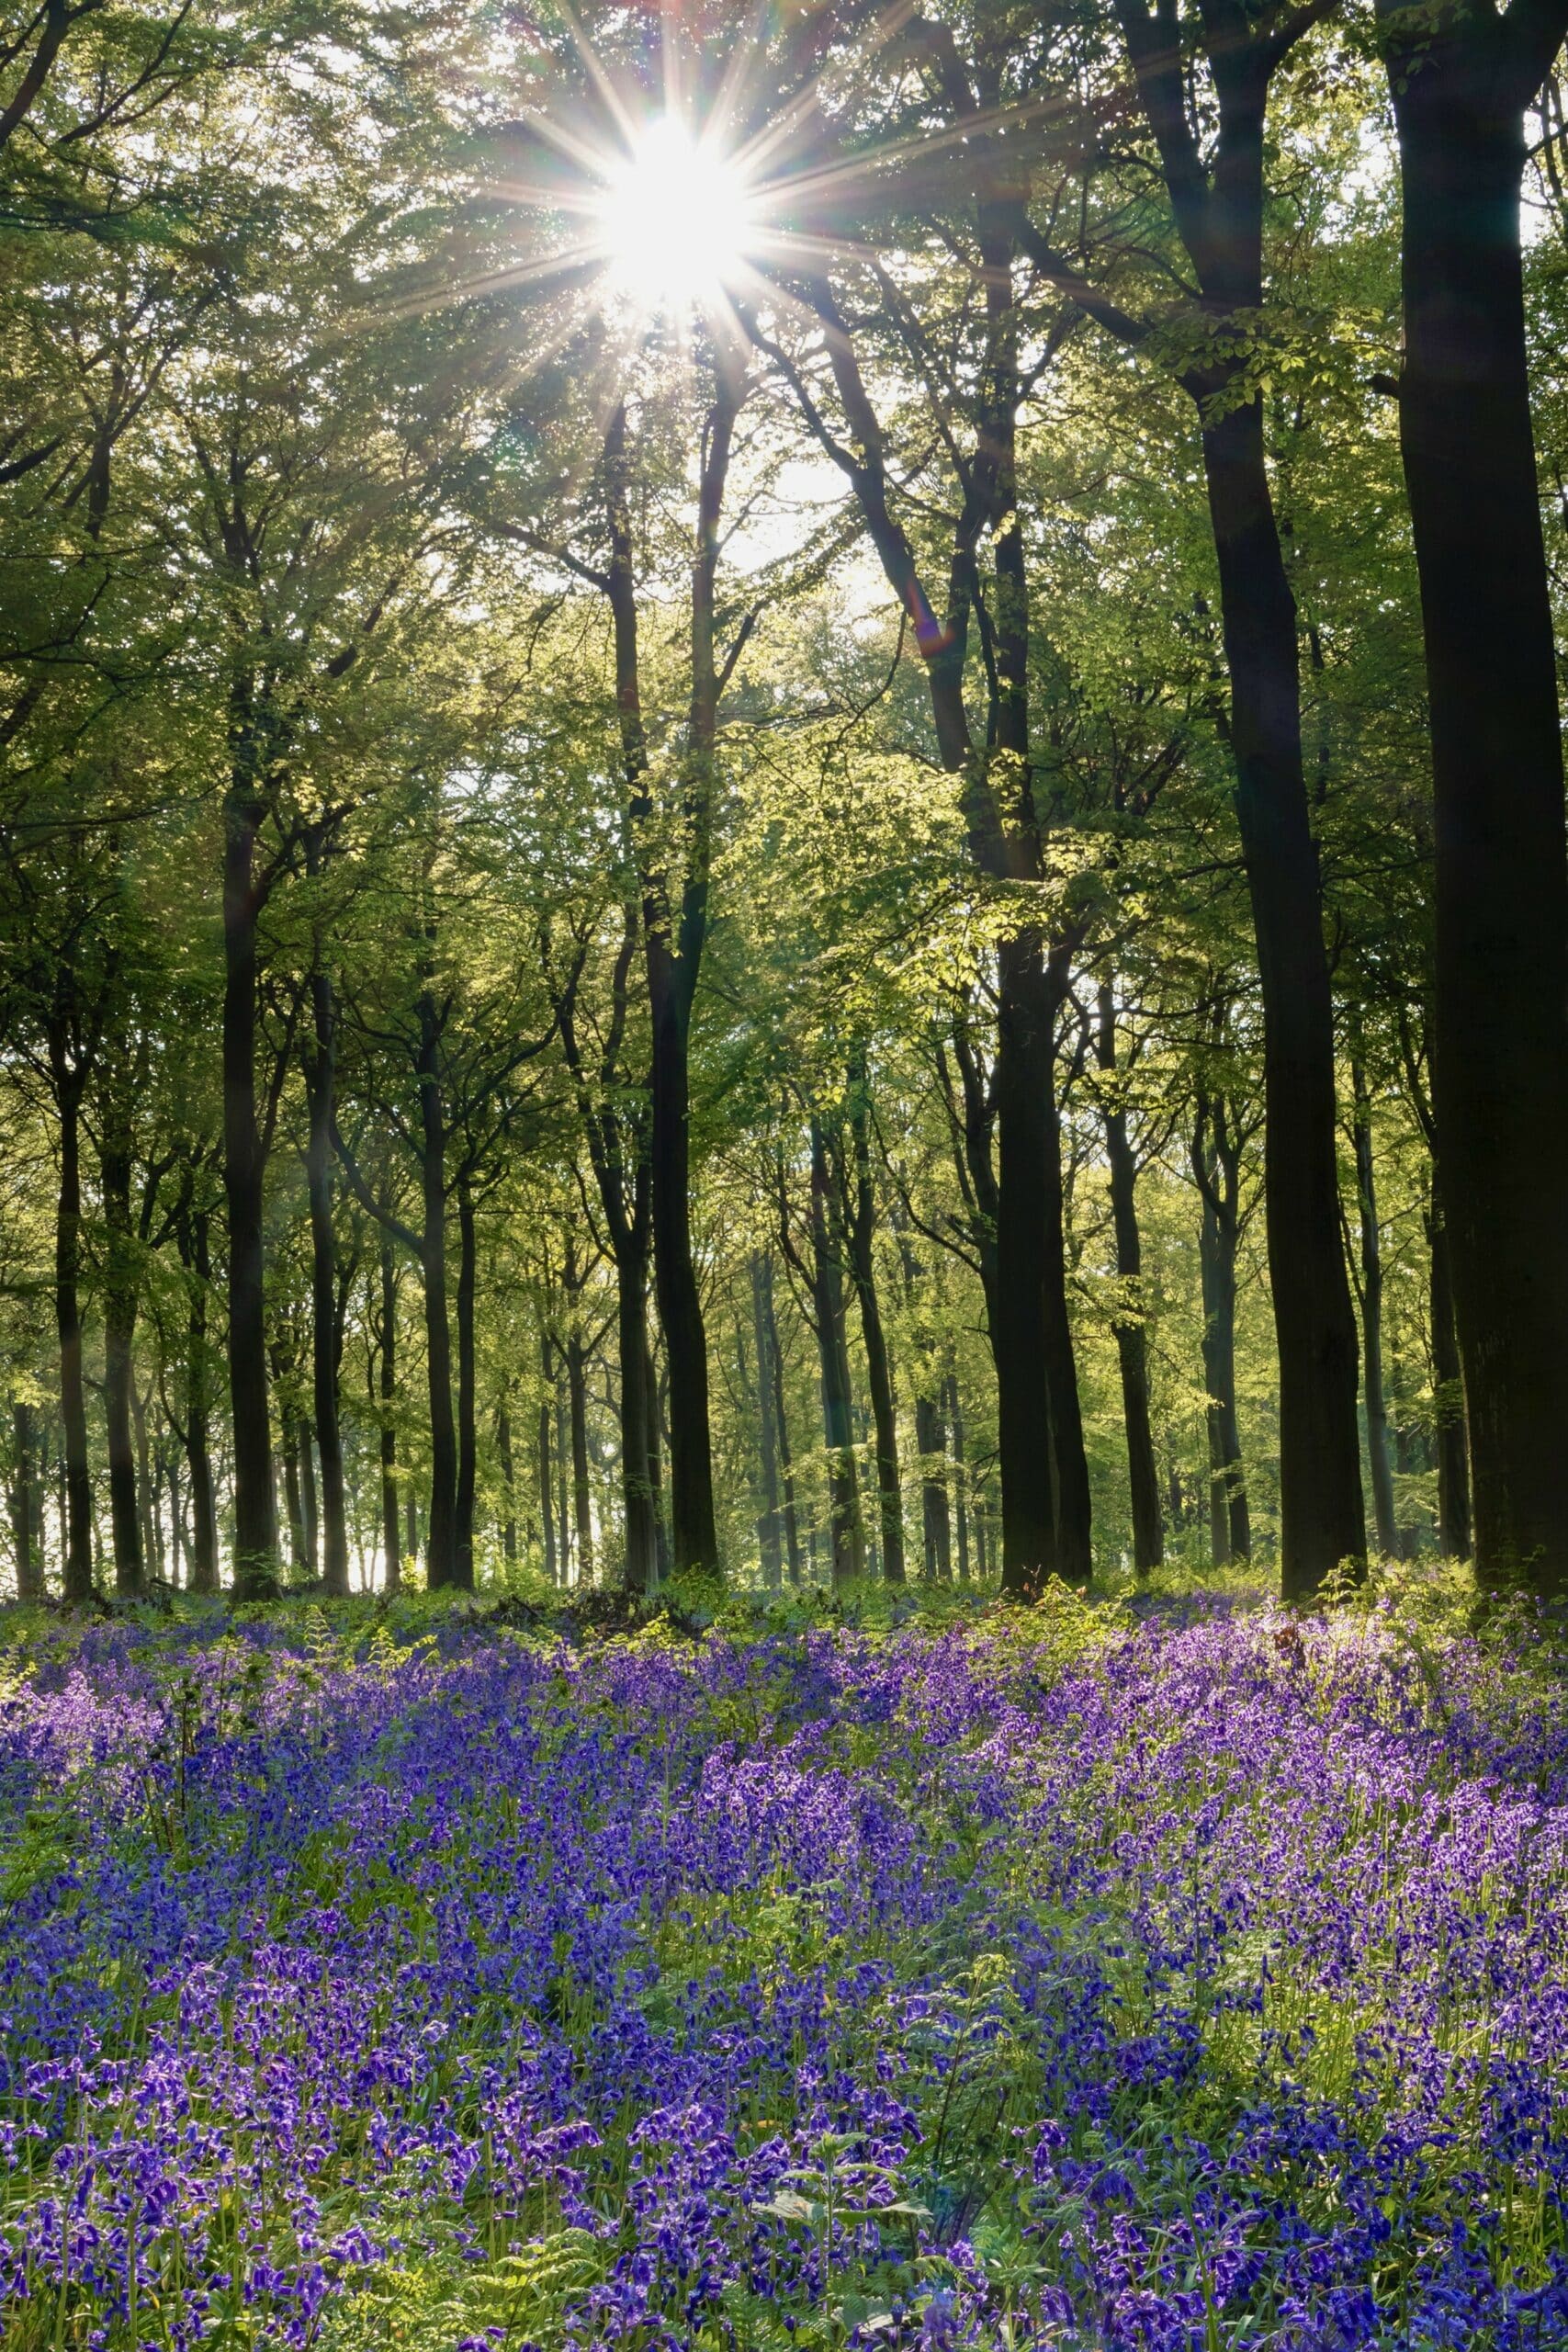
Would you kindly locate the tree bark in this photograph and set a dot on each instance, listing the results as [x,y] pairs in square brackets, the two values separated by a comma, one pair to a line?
[637,1501]
[1371,1318]
[960,1477]
[1216,1166]
[1500,1037]
[508,1484]
[255,1522]
[546,1488]
[1132,1338]
[194,1249]
[769,1547]
[781,1423]
[582,1492]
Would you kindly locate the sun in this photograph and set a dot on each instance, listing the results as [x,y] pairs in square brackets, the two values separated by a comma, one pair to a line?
[674,220]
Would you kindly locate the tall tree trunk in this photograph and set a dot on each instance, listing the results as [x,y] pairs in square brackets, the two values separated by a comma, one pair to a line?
[781,1423]
[637,1501]
[390,1547]
[879,1378]
[768,1543]
[1448,1399]
[120,1331]
[508,1484]
[468,1434]
[847,1534]
[582,1493]
[289,1458]
[310,1512]
[546,1488]
[256,1524]
[148,1488]
[442,1568]
[321,1088]
[655,1469]
[563,1498]
[1500,1058]
[1372,1317]
[198,1377]
[961,1475]
[1320,1475]
[936,1523]
[26,1512]
[1229,1519]
[77,1514]
[1131,1337]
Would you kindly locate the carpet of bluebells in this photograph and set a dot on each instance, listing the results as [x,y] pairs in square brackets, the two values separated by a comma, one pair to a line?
[1055,1977]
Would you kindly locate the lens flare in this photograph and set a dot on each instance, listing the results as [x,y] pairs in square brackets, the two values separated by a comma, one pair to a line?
[675,220]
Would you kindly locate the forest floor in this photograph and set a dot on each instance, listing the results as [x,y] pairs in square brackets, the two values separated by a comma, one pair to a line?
[1078,1976]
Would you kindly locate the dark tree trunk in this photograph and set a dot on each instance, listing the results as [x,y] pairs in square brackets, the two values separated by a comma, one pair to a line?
[1500,1038]
[1371,1319]
[77,1515]
[388,1346]
[847,1534]
[120,1333]
[1448,1401]
[27,1514]
[288,1452]
[961,1477]
[256,1524]
[1216,1166]
[148,1488]
[442,1568]
[1132,1338]
[1320,1472]
[563,1495]
[198,1377]
[769,1546]
[468,1434]
[320,1087]
[581,1494]
[879,1378]
[546,1487]
[508,1485]
[655,1469]
[637,1501]
[309,1513]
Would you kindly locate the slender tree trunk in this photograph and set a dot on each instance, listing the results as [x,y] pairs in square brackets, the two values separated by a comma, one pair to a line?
[936,1522]
[509,1485]
[879,1378]
[1371,1319]
[310,1512]
[26,1513]
[1229,1517]
[1448,1401]
[198,1454]
[768,1542]
[467,1434]
[563,1503]
[77,1513]
[149,1490]
[256,1524]
[1320,1475]
[656,1470]
[960,1477]
[636,1470]
[546,1488]
[1500,1059]
[320,1087]
[442,1568]
[288,1452]
[389,1337]
[781,1423]
[827,1303]
[582,1493]
[119,1329]
[1132,1338]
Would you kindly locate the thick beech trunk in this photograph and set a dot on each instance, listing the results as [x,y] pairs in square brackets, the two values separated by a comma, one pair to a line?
[1320,1471]
[1132,1338]
[638,1491]
[1500,1036]
[1448,1401]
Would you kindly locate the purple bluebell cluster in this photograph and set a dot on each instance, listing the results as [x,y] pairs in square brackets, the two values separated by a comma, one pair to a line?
[1153,1988]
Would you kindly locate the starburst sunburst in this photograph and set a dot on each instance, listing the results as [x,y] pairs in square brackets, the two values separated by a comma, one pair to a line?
[676,219]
